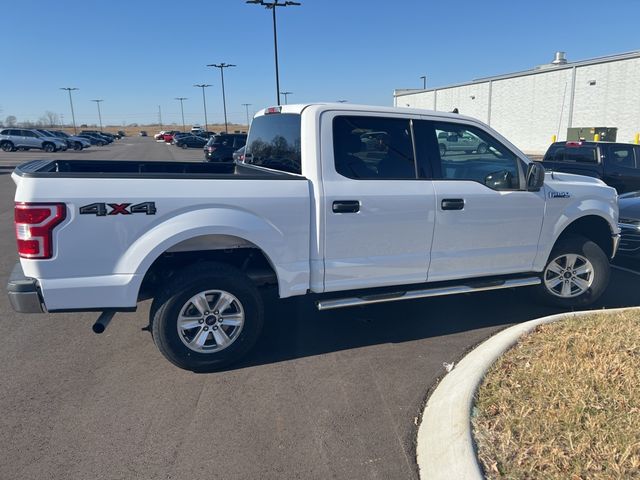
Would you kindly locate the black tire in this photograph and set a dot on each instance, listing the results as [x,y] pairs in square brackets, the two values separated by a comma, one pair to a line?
[48,147]
[185,146]
[7,147]
[168,304]
[588,250]
[443,149]
[77,146]
[482,148]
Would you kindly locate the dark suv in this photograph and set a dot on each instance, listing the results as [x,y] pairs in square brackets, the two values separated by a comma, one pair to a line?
[617,164]
[220,148]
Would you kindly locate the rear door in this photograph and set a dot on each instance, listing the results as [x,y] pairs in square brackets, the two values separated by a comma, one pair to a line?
[378,213]
[622,166]
[486,223]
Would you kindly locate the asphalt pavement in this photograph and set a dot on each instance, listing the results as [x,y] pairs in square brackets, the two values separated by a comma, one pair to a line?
[325,395]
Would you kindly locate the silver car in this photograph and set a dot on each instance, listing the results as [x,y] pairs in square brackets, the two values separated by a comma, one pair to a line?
[460,142]
[12,139]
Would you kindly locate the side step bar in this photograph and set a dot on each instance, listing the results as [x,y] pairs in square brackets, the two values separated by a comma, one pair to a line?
[425,293]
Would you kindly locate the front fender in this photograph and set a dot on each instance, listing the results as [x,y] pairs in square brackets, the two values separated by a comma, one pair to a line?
[284,252]
[560,215]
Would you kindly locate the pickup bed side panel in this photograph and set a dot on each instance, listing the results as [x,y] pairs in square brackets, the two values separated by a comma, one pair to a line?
[99,261]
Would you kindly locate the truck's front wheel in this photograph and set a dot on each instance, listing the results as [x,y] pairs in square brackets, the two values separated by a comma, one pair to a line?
[207,317]
[576,275]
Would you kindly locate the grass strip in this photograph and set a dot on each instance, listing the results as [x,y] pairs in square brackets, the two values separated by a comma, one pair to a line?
[564,403]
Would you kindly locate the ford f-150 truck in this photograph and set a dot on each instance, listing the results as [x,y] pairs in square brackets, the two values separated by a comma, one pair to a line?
[312,210]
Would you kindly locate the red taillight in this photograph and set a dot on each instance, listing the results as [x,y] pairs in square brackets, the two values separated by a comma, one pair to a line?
[574,144]
[34,223]
[271,110]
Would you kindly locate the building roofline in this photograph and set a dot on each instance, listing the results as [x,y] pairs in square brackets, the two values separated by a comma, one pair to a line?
[400,92]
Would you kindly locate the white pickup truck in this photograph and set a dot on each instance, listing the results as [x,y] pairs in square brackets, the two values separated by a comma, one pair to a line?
[349,204]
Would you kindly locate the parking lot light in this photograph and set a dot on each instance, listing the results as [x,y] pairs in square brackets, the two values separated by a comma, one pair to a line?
[272,6]
[222,66]
[182,99]
[246,106]
[99,114]
[73,115]
[204,103]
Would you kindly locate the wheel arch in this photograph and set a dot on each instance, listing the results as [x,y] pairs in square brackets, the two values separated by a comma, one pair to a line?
[594,227]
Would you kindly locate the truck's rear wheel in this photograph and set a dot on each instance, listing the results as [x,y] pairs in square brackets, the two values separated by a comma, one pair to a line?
[576,275]
[207,317]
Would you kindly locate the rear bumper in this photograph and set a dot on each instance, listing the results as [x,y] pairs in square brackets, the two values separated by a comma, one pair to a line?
[24,293]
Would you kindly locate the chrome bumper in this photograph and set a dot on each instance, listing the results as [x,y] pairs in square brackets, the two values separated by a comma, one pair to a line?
[23,292]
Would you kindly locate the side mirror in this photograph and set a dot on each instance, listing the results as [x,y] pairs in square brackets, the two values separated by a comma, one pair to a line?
[535,177]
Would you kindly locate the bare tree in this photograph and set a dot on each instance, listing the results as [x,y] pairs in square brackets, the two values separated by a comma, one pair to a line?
[51,119]
[10,121]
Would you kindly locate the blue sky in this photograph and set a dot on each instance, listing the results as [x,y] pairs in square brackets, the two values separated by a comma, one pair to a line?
[139,54]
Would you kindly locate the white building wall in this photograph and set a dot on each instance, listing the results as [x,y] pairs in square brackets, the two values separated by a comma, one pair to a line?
[614,101]
[529,109]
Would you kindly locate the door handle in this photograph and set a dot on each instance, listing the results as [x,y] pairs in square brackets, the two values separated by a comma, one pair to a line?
[346,206]
[452,204]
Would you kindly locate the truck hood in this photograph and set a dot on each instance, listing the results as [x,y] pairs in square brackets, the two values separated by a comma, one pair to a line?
[580,189]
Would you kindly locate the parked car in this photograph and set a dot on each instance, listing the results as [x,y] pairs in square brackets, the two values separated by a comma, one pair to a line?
[93,139]
[168,136]
[449,142]
[629,221]
[143,133]
[106,136]
[335,224]
[616,164]
[238,155]
[122,133]
[220,148]
[160,135]
[12,139]
[47,133]
[190,141]
[75,142]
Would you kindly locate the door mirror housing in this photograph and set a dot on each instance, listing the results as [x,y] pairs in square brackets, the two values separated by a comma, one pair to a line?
[535,177]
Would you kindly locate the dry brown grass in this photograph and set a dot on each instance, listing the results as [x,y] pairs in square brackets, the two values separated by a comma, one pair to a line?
[564,403]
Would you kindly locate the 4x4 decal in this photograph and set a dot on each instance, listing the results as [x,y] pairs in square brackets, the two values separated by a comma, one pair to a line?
[104,209]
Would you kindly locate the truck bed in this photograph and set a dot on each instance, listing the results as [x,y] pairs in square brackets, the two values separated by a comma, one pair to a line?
[145,169]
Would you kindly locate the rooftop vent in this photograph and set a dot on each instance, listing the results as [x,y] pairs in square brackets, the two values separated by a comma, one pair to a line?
[559,59]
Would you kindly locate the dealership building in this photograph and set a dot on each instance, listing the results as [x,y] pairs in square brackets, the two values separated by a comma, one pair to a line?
[533,106]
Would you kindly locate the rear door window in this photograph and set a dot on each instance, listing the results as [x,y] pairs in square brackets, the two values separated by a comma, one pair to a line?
[373,148]
[274,142]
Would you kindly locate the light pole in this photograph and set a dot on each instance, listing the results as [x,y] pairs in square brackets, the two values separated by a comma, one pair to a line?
[272,6]
[286,96]
[73,115]
[222,66]
[99,114]
[424,82]
[204,103]
[182,99]
[246,106]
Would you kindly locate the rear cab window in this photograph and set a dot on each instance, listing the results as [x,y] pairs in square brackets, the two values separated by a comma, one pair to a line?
[274,142]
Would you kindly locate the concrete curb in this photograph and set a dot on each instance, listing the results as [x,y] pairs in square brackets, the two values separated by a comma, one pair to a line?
[445,447]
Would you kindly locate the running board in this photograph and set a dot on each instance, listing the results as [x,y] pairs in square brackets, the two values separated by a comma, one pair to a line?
[425,293]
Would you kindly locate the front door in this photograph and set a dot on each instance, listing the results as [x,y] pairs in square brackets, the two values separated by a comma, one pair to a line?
[486,223]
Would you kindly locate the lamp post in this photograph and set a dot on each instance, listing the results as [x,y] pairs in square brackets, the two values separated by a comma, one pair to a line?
[204,103]
[424,82]
[246,106]
[272,6]
[99,114]
[286,96]
[222,66]
[182,99]
[73,115]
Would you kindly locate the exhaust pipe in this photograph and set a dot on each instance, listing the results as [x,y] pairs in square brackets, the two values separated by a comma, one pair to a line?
[102,322]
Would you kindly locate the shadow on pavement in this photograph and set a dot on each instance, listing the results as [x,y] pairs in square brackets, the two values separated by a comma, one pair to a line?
[295,329]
